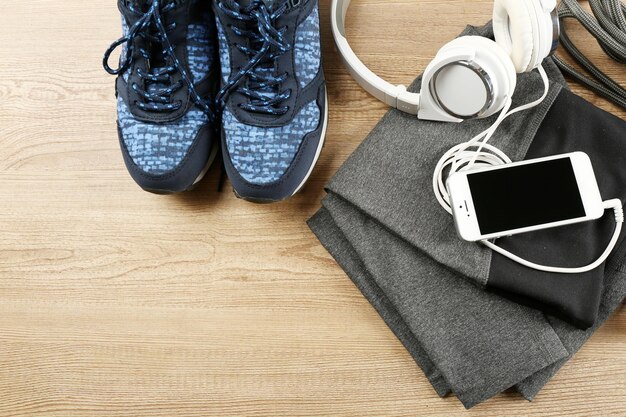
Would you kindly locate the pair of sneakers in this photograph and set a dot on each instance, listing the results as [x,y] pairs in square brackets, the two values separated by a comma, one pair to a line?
[199,75]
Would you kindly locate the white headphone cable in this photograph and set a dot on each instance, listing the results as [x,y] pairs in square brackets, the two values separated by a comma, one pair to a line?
[461,158]
[615,204]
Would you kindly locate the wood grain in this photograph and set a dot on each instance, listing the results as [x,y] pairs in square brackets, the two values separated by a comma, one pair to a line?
[115,302]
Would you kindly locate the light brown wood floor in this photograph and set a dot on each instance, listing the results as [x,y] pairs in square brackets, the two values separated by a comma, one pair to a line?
[115,302]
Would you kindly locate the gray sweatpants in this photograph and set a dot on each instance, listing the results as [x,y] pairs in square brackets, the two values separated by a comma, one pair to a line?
[382,224]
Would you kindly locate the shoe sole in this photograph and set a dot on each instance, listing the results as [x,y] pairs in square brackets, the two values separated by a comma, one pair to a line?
[318,152]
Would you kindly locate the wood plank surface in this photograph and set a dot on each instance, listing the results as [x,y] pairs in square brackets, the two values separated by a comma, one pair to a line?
[115,302]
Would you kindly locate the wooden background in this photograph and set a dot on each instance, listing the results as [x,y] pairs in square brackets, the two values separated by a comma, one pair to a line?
[115,302]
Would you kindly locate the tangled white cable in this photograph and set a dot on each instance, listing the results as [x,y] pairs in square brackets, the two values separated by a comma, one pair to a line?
[477,152]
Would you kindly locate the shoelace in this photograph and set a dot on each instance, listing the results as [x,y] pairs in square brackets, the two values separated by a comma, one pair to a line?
[267,43]
[157,95]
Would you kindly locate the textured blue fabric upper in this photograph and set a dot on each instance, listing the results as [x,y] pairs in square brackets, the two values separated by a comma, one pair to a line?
[261,155]
[224,51]
[160,148]
[307,49]
[125,30]
[200,49]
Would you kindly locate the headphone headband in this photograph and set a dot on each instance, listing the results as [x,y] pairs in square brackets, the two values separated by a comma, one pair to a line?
[393,95]
[471,76]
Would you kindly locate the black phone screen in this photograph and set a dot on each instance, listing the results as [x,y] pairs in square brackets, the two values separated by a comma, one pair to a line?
[526,195]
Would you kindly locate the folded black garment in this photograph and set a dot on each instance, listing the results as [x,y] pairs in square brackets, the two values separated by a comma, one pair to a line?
[383,225]
[572,124]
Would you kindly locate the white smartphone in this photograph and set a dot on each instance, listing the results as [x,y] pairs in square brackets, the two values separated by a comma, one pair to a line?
[524,196]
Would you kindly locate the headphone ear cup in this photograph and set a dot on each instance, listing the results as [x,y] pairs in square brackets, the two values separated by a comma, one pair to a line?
[515,28]
[492,61]
[498,63]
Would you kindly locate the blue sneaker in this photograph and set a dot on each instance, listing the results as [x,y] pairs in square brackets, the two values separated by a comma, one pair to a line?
[273,95]
[167,81]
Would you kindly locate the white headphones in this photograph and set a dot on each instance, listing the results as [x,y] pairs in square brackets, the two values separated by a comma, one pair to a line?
[471,76]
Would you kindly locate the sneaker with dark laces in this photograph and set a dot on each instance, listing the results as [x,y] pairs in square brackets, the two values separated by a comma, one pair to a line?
[166,85]
[273,95]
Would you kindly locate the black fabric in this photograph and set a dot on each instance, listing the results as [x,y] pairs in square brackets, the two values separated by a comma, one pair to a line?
[572,124]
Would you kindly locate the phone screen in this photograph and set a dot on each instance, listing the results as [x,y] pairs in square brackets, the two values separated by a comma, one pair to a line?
[526,195]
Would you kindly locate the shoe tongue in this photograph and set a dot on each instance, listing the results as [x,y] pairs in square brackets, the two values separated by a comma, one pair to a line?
[139,4]
[273,4]
[145,4]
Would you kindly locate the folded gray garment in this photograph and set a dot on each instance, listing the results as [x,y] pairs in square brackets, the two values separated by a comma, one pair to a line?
[382,224]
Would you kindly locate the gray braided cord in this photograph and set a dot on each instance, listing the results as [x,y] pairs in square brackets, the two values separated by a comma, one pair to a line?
[608,26]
